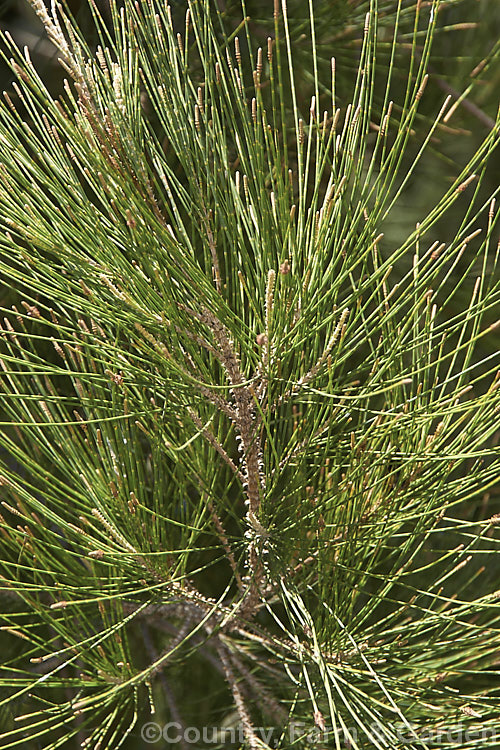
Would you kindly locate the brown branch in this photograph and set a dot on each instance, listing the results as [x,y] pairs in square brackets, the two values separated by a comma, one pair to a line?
[210,437]
[225,542]
[469,106]
[245,417]
[472,108]
[249,732]
[268,702]
[247,426]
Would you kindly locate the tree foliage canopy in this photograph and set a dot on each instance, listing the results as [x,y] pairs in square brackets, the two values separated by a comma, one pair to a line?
[243,435]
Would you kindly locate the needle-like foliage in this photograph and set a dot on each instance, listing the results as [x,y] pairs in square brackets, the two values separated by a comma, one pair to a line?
[243,436]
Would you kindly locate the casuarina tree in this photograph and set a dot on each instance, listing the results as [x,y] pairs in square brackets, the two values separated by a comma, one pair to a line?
[247,441]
